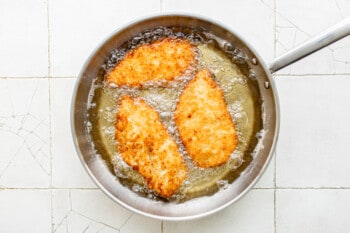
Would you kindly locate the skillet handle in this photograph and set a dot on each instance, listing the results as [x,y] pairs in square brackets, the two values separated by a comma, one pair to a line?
[337,32]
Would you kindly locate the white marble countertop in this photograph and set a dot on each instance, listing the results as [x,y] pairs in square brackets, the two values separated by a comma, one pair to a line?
[43,186]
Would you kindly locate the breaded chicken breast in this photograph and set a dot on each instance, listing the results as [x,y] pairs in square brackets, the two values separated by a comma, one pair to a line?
[163,60]
[204,123]
[145,144]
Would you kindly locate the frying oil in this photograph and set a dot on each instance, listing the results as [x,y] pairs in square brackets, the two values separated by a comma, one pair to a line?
[241,95]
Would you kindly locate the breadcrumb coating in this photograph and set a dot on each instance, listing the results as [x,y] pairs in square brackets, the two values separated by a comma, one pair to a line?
[204,123]
[163,60]
[145,144]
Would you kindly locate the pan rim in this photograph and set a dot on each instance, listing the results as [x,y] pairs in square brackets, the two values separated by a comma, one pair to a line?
[141,212]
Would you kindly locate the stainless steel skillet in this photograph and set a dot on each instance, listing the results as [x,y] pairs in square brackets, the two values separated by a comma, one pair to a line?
[205,205]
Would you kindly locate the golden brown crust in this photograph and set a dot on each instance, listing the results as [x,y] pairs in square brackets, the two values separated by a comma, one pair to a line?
[163,60]
[204,123]
[145,144]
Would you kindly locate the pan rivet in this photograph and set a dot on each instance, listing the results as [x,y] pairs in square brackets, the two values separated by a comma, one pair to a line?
[267,85]
[254,61]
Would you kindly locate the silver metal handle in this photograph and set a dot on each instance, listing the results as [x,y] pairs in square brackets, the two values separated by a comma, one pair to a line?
[337,32]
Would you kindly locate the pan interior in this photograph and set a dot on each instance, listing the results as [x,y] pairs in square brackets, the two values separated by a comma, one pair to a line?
[236,72]
[241,95]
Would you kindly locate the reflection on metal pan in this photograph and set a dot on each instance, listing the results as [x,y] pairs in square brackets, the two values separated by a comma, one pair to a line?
[245,76]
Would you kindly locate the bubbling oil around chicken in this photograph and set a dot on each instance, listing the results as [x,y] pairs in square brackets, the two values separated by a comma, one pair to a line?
[241,95]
